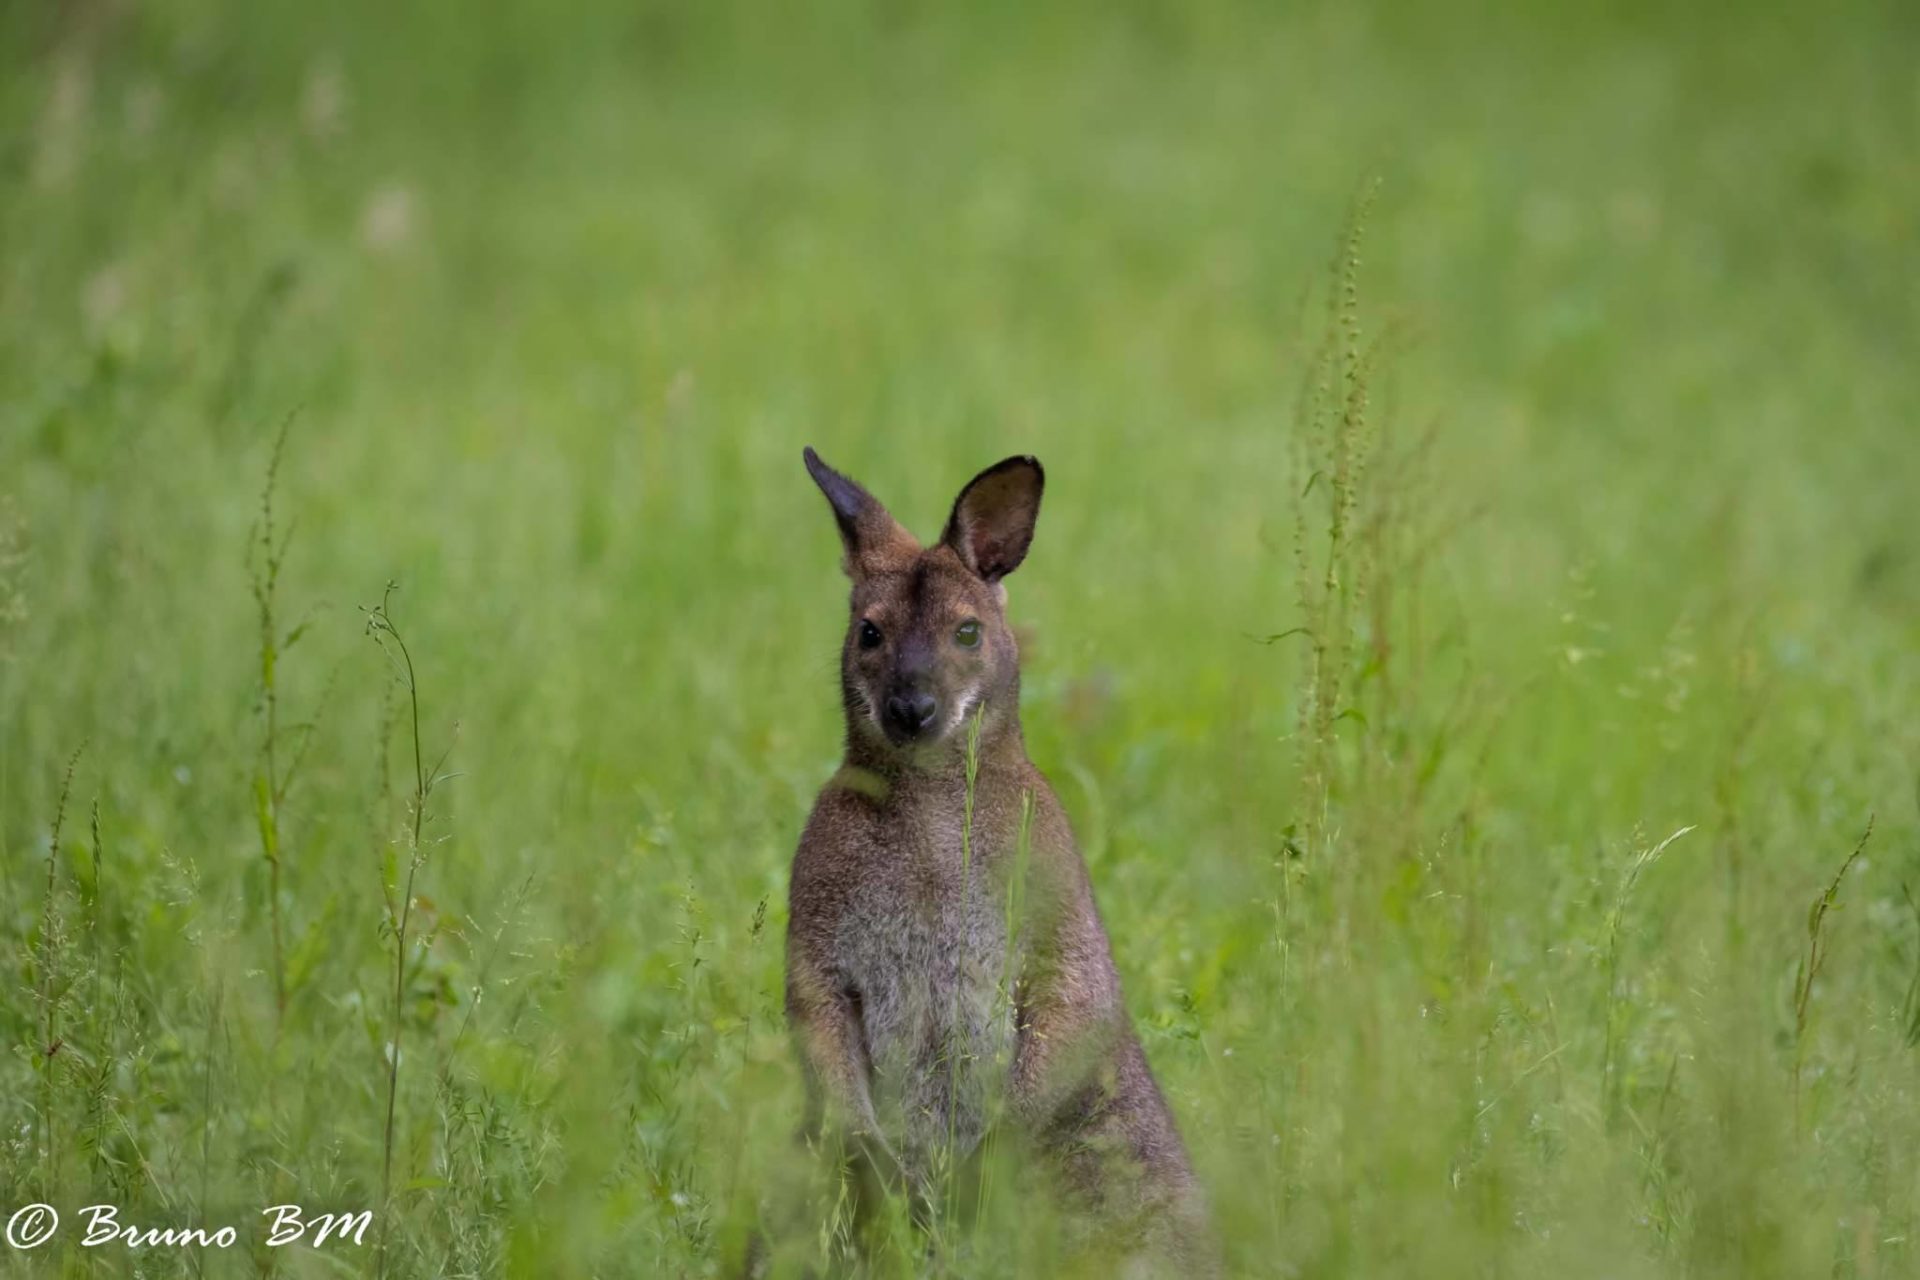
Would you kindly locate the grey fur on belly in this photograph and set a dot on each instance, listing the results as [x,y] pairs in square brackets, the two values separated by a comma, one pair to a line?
[937,1013]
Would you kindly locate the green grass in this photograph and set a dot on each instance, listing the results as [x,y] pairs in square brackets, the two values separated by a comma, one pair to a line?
[1620,507]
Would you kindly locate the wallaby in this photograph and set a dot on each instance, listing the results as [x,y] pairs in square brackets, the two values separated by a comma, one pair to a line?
[921,1004]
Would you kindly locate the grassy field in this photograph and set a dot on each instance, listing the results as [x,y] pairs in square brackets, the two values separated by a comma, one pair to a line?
[1470,644]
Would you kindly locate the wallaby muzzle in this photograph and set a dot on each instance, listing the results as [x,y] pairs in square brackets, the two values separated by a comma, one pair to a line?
[910,713]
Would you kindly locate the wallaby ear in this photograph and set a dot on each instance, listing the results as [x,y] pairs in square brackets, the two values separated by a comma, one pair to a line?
[873,538]
[992,522]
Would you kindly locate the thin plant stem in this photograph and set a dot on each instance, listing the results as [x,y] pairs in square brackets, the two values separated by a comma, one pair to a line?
[379,626]
[1817,944]
[49,963]
[271,550]
[1642,860]
[955,1046]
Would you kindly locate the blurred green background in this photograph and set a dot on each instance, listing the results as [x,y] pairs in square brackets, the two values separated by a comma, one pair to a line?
[553,295]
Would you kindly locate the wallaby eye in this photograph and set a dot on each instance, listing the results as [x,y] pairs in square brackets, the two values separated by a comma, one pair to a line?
[869,635]
[968,636]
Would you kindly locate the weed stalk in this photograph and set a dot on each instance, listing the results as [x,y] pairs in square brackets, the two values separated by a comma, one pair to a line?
[1641,861]
[50,940]
[266,552]
[380,627]
[1810,964]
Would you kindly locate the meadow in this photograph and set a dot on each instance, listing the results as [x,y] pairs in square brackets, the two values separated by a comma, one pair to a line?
[1474,623]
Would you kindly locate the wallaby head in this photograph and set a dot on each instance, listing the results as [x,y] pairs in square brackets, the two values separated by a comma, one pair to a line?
[927,641]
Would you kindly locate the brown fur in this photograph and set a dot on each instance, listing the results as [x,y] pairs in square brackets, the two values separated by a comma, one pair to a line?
[899,957]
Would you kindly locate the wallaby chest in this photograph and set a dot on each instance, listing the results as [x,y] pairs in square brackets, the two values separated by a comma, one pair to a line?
[924,950]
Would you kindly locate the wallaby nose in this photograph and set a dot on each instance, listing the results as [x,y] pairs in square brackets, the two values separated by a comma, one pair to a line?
[912,712]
